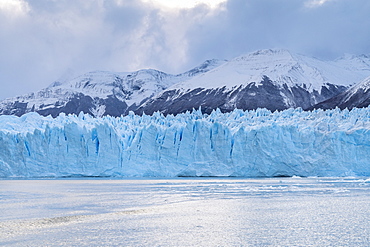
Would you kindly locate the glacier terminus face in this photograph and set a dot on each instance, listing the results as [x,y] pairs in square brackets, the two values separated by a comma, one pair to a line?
[257,143]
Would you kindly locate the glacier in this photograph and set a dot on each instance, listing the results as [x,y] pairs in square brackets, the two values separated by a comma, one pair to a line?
[257,143]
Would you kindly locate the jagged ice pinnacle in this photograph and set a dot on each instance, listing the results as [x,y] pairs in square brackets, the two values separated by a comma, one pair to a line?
[239,143]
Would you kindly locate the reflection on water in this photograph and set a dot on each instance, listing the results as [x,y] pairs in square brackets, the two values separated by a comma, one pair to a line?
[186,212]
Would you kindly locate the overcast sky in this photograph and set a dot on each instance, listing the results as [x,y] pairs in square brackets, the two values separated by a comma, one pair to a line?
[43,40]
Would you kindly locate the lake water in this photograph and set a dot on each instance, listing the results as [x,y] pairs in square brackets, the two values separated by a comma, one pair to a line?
[186,212]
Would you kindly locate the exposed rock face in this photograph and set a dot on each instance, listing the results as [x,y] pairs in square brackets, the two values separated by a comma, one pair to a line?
[264,94]
[357,96]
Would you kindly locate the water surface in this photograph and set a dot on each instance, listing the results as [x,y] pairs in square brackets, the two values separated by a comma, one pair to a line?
[186,212]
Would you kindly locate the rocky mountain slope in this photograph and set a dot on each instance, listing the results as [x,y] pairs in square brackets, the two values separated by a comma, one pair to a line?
[356,96]
[100,92]
[272,79]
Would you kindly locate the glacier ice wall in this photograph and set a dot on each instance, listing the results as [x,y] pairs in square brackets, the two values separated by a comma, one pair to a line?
[239,143]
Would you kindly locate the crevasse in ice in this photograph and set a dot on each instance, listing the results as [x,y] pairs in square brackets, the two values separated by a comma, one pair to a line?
[239,143]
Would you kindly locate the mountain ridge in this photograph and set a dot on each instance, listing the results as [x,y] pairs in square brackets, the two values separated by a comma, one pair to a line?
[114,90]
[357,96]
[275,79]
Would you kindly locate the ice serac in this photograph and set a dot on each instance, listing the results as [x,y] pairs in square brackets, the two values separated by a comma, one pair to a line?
[240,143]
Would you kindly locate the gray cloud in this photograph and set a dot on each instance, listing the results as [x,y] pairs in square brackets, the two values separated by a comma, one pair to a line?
[41,40]
[325,31]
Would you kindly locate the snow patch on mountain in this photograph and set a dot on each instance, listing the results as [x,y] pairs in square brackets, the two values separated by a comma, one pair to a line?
[364,86]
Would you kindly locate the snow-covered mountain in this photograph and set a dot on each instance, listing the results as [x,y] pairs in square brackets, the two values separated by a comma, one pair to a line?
[356,96]
[354,63]
[100,92]
[272,79]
